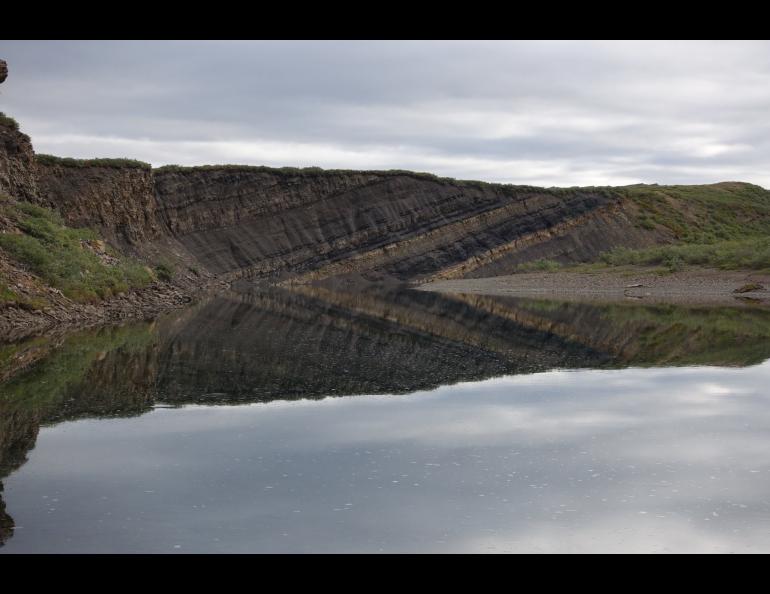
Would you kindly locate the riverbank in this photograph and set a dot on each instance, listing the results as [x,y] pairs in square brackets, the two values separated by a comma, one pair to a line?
[692,286]
[62,314]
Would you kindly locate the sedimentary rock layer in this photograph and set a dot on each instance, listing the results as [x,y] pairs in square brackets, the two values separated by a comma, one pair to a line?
[17,163]
[120,202]
[306,226]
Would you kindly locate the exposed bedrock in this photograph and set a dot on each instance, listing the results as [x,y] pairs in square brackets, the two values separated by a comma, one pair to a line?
[120,202]
[17,162]
[308,226]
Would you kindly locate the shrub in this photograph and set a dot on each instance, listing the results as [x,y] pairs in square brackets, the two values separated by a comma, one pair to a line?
[164,271]
[509,189]
[674,263]
[6,294]
[542,265]
[646,223]
[55,252]
[112,163]
[9,122]
[752,253]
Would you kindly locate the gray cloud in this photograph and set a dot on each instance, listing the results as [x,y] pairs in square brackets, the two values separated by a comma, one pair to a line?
[550,113]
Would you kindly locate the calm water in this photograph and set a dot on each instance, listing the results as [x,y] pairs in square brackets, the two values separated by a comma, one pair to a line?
[392,421]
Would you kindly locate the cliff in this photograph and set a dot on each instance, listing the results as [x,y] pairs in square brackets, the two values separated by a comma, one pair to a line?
[308,225]
[18,171]
[304,225]
[119,200]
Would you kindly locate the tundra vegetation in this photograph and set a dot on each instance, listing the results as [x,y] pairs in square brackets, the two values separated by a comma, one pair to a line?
[724,226]
[8,122]
[64,257]
[112,163]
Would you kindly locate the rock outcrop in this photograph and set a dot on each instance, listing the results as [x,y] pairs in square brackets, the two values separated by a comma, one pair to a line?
[307,225]
[118,201]
[301,226]
[18,171]
[17,159]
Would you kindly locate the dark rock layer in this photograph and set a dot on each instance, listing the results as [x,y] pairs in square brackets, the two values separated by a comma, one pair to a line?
[18,177]
[309,226]
[120,202]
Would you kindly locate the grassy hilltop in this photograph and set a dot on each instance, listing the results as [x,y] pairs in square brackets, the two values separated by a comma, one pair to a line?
[724,225]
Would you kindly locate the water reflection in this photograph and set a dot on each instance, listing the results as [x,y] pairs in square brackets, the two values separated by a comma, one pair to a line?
[558,460]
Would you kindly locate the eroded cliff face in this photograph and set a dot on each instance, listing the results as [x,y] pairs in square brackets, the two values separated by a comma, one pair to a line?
[118,201]
[304,226]
[17,159]
[18,177]
[309,226]
[579,236]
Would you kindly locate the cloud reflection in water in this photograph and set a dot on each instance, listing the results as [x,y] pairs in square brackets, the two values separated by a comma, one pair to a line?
[601,460]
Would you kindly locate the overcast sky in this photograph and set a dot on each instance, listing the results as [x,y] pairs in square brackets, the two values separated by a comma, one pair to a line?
[542,113]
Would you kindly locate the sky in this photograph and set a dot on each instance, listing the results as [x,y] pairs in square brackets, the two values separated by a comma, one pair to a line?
[549,113]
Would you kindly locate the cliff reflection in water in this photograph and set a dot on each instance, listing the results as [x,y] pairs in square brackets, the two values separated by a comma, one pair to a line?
[315,342]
